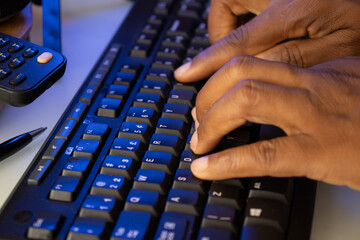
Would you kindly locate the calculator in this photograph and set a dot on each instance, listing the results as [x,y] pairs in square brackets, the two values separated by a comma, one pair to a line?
[26,70]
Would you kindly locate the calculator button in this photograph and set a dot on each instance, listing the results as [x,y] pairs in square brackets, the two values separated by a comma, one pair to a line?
[4,72]
[30,52]
[44,57]
[16,62]
[17,79]
[4,56]
[4,41]
[15,47]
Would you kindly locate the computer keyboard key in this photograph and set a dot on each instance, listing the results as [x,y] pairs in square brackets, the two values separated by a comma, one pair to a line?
[161,161]
[171,127]
[147,100]
[146,38]
[182,97]
[144,201]
[206,233]
[171,52]
[218,216]
[188,139]
[176,226]
[138,131]
[140,50]
[184,179]
[261,232]
[133,68]
[87,148]
[156,19]
[89,94]
[266,212]
[181,27]
[151,28]
[176,111]
[65,189]
[124,79]
[193,87]
[117,92]
[155,87]
[40,171]
[183,201]
[109,108]
[97,206]
[133,225]
[89,229]
[54,149]
[67,129]
[120,166]
[96,131]
[45,225]
[127,148]
[110,185]
[190,11]
[186,158]
[172,228]
[226,195]
[160,74]
[165,143]
[77,167]
[152,180]
[162,7]
[78,112]
[15,47]
[142,115]
[166,63]
[272,188]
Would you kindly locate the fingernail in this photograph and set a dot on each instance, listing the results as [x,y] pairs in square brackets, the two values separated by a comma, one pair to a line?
[199,165]
[182,69]
[194,141]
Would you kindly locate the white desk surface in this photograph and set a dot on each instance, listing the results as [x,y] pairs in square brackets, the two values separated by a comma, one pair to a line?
[337,209]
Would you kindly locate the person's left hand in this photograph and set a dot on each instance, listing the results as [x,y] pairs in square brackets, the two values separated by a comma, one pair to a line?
[318,108]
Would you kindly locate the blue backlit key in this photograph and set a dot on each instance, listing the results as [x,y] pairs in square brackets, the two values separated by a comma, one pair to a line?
[151,180]
[132,225]
[120,166]
[143,201]
[87,149]
[88,228]
[97,206]
[161,161]
[77,167]
[175,226]
[139,131]
[127,148]
[110,185]
[142,115]
[65,189]
[165,143]
[45,225]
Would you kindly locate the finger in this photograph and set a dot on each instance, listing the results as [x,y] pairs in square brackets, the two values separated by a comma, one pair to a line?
[309,52]
[246,67]
[279,157]
[250,38]
[228,13]
[252,101]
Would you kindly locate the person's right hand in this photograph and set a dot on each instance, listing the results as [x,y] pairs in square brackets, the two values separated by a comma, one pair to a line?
[332,28]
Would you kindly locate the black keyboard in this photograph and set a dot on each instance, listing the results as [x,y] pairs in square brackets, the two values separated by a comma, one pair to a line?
[117,165]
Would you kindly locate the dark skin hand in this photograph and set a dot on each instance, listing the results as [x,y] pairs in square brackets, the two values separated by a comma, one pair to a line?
[318,108]
[331,26]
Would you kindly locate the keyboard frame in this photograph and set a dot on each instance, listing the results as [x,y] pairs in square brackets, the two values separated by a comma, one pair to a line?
[20,208]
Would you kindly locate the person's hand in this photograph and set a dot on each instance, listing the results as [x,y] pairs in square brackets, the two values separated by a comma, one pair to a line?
[318,109]
[331,26]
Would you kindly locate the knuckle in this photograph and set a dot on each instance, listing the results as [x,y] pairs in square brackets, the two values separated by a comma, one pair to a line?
[292,54]
[238,38]
[265,155]
[247,93]
[240,66]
